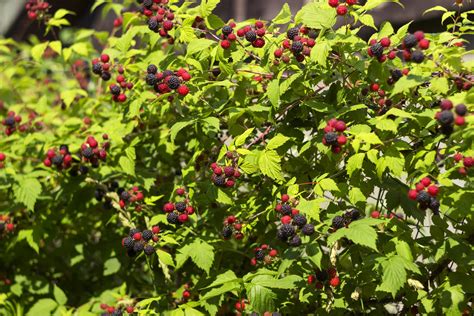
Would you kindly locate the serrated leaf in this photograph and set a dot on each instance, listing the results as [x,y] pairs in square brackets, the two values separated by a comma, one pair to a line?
[273,92]
[262,299]
[269,164]
[368,20]
[394,275]
[44,306]
[207,6]
[177,127]
[127,165]
[284,16]
[198,45]
[359,232]
[320,52]
[277,141]
[287,282]
[111,266]
[27,191]
[354,163]
[328,185]
[202,254]
[317,15]
[406,84]
[38,50]
[240,140]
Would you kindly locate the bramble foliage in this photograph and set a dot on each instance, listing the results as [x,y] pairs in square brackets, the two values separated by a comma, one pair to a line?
[184,165]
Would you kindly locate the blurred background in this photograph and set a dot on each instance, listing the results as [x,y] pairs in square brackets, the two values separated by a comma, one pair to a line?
[14,22]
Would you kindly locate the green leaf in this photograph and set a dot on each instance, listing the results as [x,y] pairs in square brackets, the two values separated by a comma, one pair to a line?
[386,29]
[394,275]
[202,254]
[368,20]
[228,276]
[128,165]
[356,196]
[406,84]
[285,283]
[318,15]
[354,163]
[273,92]
[284,16]
[359,232]
[240,140]
[320,52]
[269,164]
[38,50]
[277,141]
[207,6]
[27,191]
[62,13]
[436,8]
[262,299]
[44,306]
[226,287]
[59,295]
[199,45]
[177,127]
[223,197]
[328,185]
[28,235]
[440,85]
[111,266]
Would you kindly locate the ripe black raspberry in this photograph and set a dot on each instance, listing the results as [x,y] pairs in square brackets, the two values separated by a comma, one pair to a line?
[294,241]
[115,89]
[308,229]
[147,234]
[251,36]
[418,56]
[353,214]
[299,220]
[461,109]
[287,230]
[410,41]
[106,76]
[150,79]
[259,255]
[167,73]
[172,218]
[125,196]
[173,82]
[322,275]
[297,47]
[138,246]
[149,250]
[447,129]
[227,232]
[446,118]
[219,181]
[131,253]
[281,236]
[97,68]
[330,138]
[147,3]
[286,209]
[57,160]
[153,25]
[423,198]
[128,242]
[10,121]
[291,33]
[133,231]
[151,69]
[396,74]
[180,206]
[338,222]
[434,204]
[226,29]
[88,153]
[377,50]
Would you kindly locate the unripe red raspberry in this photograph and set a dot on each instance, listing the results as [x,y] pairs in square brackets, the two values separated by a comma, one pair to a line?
[186,294]
[182,218]
[468,162]
[229,183]
[180,191]
[385,42]
[419,187]
[278,53]
[333,3]
[446,104]
[259,24]
[426,181]
[155,229]
[104,58]
[340,126]
[286,219]
[183,90]
[424,43]
[103,306]
[122,97]
[285,198]
[392,54]
[459,120]
[225,44]
[10,227]
[311,279]
[419,35]
[351,2]
[375,214]
[458,157]
[334,281]
[412,194]
[433,190]
[374,87]
[273,253]
[130,309]
[137,236]
[341,140]
[278,207]
[238,226]
[168,207]
[341,10]
[2,157]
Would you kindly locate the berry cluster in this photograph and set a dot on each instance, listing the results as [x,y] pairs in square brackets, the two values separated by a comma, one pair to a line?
[11,123]
[178,213]
[240,305]
[265,254]
[232,227]
[446,117]
[80,70]
[6,224]
[254,34]
[334,135]
[160,16]
[341,8]
[467,162]
[376,214]
[2,160]
[115,310]
[225,176]
[131,197]
[345,220]
[168,80]
[102,67]
[228,36]
[37,9]
[299,42]
[411,41]
[138,241]
[425,194]
[324,277]
[61,159]
[90,151]
[464,81]
[377,48]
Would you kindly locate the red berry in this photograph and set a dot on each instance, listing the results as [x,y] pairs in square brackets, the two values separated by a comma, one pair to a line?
[218,171]
[459,120]
[334,281]
[122,97]
[311,279]
[286,219]
[375,87]
[433,190]
[189,210]
[278,53]
[183,218]
[375,214]
[468,162]
[341,10]
[458,157]
[278,207]
[168,207]
[446,104]
[385,42]
[238,306]
[419,187]
[225,44]
[137,236]
[103,306]
[104,58]
[351,2]
[424,44]
[10,227]
[155,229]
[180,191]
[392,54]
[462,171]
[412,194]
[419,35]
[425,181]
[340,126]
[319,285]
[186,294]
[285,198]
[238,226]
[273,253]
[333,3]
[341,140]
[2,156]
[129,309]
[231,219]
